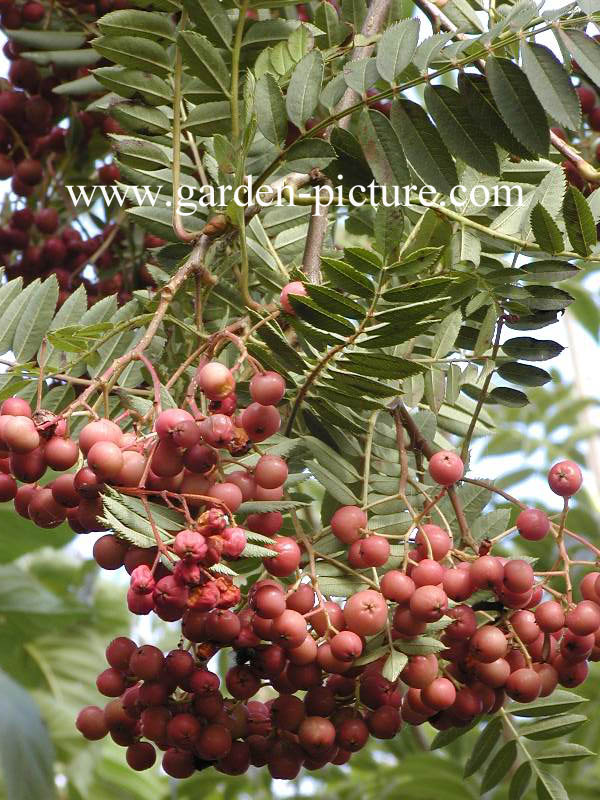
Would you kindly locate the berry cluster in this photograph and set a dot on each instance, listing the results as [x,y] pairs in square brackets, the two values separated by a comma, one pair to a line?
[309,684]
[586,140]
[38,237]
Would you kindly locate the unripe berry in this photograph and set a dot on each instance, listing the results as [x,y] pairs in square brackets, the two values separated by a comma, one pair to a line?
[446,467]
[565,478]
[532,524]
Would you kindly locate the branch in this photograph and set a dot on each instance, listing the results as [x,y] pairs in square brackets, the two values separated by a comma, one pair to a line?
[317,230]
[375,18]
[166,294]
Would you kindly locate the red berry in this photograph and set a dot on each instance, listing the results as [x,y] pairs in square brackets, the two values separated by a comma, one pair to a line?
[565,478]
[446,467]
[532,524]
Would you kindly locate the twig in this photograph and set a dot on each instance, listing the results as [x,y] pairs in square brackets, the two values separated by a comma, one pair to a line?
[375,18]
[483,394]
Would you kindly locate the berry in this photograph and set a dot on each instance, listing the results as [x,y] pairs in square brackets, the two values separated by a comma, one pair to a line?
[587,99]
[565,478]
[267,388]
[365,612]
[532,524]
[216,380]
[446,467]
[295,288]
[347,522]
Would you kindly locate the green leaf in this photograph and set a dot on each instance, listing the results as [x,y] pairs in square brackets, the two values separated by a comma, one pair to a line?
[270,109]
[518,104]
[506,396]
[550,271]
[483,746]
[548,787]
[396,48]
[329,458]
[482,108]
[207,119]
[584,50]
[489,525]
[444,738]
[524,374]
[132,22]
[389,226]
[382,149]
[309,311]
[130,82]
[304,88]
[532,349]
[334,485]
[579,221]
[327,20]
[458,130]
[566,751]
[545,230]
[309,154]
[335,302]
[344,276]
[520,781]
[11,315]
[211,17]
[354,12]
[46,40]
[552,728]
[380,365]
[394,665]
[26,752]
[559,702]
[551,84]
[445,335]
[204,60]
[497,769]
[423,145]
[35,320]
[360,74]
[419,645]
[134,52]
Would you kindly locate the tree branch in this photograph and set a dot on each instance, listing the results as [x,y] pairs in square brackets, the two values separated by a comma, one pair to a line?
[375,18]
